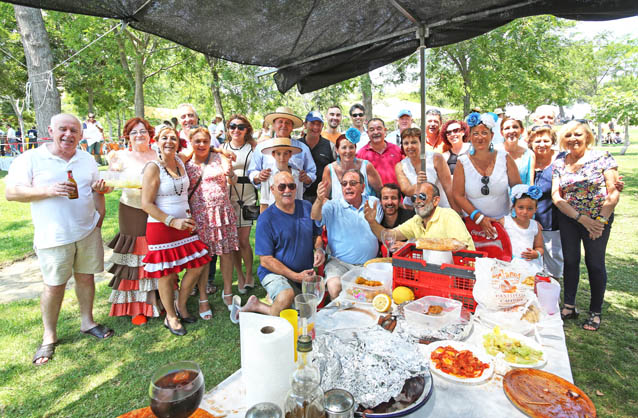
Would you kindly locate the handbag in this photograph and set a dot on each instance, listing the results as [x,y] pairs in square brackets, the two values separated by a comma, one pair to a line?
[248,212]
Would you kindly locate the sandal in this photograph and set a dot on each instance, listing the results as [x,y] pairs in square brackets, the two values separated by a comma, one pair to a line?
[224,296]
[593,325]
[206,315]
[100,332]
[187,319]
[572,313]
[234,309]
[44,351]
[241,290]
[175,331]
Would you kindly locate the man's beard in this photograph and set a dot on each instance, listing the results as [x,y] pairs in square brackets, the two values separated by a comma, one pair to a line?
[426,210]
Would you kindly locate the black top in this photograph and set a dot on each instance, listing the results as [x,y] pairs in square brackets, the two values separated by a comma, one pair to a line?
[404,215]
[546,211]
[322,154]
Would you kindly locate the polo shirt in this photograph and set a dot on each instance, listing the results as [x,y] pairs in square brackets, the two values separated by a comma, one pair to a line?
[57,220]
[322,155]
[444,223]
[301,161]
[383,161]
[350,238]
[289,238]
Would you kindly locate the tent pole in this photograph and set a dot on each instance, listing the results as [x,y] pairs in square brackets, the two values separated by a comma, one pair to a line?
[423,33]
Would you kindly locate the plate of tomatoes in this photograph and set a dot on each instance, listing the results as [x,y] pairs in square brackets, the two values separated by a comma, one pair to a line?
[459,362]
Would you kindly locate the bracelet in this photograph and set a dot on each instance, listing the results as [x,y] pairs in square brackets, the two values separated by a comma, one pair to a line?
[473,214]
[168,220]
[577,217]
[602,220]
[320,248]
[479,219]
[539,254]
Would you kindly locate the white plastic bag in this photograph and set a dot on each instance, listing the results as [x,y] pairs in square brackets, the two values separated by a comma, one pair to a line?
[499,284]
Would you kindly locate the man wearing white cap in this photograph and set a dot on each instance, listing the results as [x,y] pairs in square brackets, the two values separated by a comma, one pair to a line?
[404,121]
[283,121]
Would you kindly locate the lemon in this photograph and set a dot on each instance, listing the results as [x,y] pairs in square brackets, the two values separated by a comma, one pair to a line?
[382,302]
[402,294]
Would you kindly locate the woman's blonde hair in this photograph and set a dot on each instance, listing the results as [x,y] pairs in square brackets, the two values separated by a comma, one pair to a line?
[570,127]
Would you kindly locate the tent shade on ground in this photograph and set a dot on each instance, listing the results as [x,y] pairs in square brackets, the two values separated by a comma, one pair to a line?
[316,43]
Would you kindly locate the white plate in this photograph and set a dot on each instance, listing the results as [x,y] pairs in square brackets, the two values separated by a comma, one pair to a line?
[458,345]
[525,340]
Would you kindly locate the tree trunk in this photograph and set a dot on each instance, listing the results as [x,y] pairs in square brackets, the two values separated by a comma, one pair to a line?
[626,144]
[139,87]
[110,122]
[214,87]
[37,50]
[366,94]
[600,134]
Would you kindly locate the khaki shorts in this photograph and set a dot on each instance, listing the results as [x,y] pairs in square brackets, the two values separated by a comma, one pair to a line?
[85,256]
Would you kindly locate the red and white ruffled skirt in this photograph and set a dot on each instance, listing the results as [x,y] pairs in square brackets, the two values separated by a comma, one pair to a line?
[171,250]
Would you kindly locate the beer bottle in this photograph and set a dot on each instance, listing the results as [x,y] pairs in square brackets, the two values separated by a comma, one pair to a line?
[70,179]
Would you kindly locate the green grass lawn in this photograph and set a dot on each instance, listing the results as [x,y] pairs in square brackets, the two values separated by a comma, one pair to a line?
[105,378]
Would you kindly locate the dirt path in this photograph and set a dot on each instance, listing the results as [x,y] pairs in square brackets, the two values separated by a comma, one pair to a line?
[23,280]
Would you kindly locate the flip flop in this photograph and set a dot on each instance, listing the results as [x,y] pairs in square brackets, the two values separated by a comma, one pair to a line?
[100,332]
[44,351]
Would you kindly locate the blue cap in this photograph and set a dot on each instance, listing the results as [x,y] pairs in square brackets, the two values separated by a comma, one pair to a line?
[404,112]
[314,116]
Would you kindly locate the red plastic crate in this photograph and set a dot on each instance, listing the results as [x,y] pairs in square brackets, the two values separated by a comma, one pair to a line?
[454,281]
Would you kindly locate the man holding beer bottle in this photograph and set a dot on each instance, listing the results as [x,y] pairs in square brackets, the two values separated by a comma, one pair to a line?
[67,235]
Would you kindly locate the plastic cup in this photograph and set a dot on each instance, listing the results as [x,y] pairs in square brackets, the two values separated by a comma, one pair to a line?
[548,295]
[291,316]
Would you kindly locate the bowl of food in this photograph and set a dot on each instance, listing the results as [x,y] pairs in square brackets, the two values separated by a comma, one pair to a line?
[360,285]
[433,312]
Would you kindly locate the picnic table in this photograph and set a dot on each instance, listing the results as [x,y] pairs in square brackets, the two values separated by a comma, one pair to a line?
[448,398]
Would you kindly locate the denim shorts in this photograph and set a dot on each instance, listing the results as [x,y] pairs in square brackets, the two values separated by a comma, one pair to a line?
[276,283]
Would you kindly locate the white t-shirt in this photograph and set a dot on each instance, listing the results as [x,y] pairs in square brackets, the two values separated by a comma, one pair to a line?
[91,132]
[11,133]
[57,220]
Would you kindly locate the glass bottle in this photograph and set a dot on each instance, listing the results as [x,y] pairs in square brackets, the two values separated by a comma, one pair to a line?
[305,398]
[74,194]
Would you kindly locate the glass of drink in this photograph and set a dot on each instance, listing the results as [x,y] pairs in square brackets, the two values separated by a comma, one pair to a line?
[314,285]
[306,304]
[176,390]
[388,237]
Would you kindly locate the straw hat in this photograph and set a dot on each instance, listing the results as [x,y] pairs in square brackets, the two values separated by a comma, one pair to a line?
[284,112]
[281,143]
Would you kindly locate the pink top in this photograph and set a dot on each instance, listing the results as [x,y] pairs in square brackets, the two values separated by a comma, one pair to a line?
[384,161]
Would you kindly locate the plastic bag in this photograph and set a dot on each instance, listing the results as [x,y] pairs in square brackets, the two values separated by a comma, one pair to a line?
[499,284]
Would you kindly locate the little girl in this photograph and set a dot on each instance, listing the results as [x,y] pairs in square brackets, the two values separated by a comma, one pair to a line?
[525,233]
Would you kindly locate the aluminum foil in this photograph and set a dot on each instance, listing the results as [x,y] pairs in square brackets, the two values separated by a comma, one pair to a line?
[372,364]
[456,331]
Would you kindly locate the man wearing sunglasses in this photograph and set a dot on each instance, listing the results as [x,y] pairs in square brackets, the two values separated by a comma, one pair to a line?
[285,240]
[350,240]
[283,121]
[430,220]
[358,119]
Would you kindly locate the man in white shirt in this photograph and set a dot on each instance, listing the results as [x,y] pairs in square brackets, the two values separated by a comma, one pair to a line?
[67,229]
[94,136]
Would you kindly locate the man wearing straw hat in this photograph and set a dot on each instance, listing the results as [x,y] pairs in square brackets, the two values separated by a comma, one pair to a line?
[281,150]
[283,121]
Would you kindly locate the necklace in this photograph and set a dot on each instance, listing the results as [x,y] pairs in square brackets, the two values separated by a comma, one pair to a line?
[181,183]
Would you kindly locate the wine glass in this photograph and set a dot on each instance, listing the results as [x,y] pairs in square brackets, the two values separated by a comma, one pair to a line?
[314,285]
[176,390]
[389,237]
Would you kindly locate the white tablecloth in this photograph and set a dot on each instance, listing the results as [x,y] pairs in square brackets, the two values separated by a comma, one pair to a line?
[448,399]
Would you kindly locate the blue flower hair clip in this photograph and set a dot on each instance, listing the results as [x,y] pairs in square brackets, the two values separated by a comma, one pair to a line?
[353,135]
[475,118]
[521,190]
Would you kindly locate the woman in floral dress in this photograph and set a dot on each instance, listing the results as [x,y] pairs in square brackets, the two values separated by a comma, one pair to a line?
[212,211]
[584,191]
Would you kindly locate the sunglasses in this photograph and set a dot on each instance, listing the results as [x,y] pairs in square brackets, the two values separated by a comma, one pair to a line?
[352,183]
[538,127]
[485,190]
[240,126]
[421,196]
[454,131]
[357,115]
[140,132]
[282,186]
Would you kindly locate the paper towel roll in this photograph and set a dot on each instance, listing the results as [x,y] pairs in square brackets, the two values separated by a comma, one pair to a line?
[267,357]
